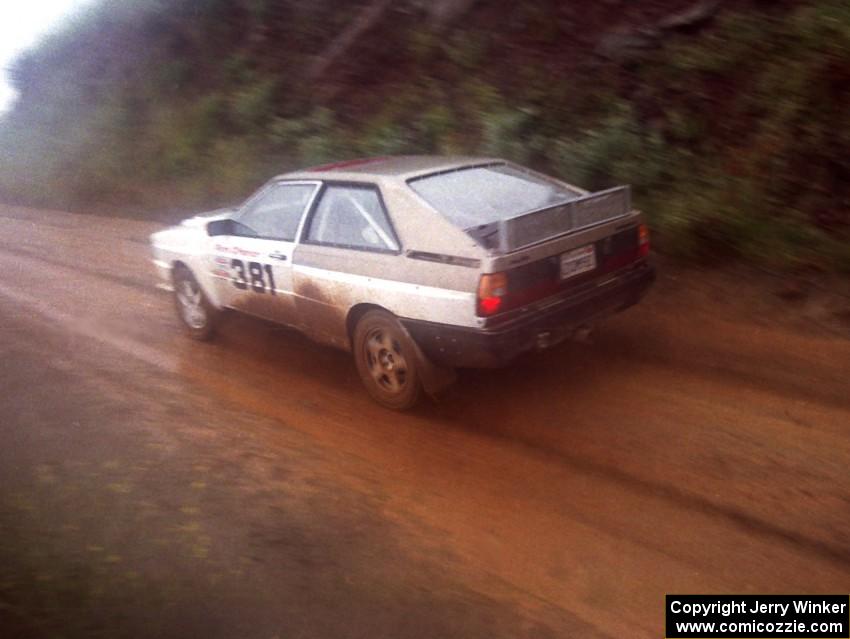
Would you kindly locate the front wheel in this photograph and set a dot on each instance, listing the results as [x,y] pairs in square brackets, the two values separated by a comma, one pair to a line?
[193,307]
[386,360]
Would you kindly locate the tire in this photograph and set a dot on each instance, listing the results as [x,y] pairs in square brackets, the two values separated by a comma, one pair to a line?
[197,315]
[386,361]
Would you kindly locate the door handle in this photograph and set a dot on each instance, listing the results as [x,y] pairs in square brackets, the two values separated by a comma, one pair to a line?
[278,256]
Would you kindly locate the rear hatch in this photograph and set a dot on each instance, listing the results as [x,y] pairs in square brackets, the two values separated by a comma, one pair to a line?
[543,237]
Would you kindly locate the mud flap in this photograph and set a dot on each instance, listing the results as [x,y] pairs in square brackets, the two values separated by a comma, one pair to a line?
[435,379]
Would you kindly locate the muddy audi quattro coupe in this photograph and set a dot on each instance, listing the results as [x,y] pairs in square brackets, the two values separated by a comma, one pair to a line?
[417,265]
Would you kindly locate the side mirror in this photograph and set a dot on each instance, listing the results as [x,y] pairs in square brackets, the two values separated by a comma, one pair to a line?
[220,227]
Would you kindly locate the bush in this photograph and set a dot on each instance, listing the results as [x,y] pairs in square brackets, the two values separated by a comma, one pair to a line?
[617,151]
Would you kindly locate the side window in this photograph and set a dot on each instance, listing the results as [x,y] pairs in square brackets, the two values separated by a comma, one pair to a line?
[352,217]
[276,213]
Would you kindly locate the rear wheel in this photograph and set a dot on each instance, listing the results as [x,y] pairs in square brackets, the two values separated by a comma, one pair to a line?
[193,307]
[386,360]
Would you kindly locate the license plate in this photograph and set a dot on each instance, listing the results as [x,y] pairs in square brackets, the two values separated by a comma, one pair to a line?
[578,261]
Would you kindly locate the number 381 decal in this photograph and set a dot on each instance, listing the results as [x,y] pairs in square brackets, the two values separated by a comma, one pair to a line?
[254,276]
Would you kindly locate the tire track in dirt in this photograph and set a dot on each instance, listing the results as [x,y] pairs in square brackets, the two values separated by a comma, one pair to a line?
[534,476]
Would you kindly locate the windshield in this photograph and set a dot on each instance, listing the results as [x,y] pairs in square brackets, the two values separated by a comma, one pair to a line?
[483,194]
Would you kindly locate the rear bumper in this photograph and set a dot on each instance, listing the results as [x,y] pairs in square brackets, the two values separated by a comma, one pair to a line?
[547,324]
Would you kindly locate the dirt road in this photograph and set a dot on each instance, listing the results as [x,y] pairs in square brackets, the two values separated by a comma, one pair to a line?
[154,486]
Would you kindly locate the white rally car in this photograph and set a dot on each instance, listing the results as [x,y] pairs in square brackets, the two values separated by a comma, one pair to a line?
[417,265]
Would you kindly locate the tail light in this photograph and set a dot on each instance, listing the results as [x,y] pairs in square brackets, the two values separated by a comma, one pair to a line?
[492,288]
[643,240]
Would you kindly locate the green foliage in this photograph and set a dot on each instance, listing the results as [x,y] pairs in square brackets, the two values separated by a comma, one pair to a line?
[759,105]
[466,48]
[391,139]
[254,105]
[237,69]
[722,51]
[619,150]
[503,133]
[423,44]
[313,139]
[735,139]
[435,129]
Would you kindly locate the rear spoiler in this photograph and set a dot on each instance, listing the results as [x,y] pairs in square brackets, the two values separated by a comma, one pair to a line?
[544,224]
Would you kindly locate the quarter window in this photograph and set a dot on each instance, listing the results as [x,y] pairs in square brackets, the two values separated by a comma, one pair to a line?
[352,217]
[275,214]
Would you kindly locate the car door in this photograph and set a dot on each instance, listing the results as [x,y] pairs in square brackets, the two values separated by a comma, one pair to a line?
[348,243]
[252,265]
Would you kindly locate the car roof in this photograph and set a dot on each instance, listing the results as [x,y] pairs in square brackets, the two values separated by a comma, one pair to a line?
[399,166]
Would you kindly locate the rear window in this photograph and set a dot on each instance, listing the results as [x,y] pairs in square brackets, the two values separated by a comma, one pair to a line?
[483,194]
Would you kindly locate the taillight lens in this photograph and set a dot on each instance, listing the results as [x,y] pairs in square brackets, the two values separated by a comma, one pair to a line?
[643,240]
[492,288]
